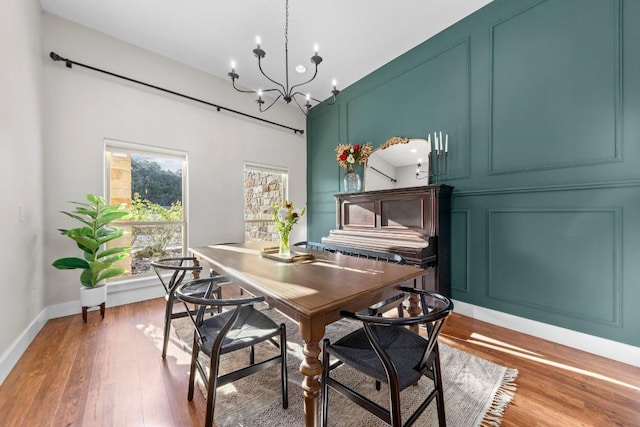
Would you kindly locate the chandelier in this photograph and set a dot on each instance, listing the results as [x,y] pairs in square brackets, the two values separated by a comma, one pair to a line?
[285,91]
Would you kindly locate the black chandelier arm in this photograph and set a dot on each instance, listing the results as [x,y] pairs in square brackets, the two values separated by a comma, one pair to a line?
[284,90]
[241,90]
[270,105]
[333,100]
[303,109]
[275,89]
[302,84]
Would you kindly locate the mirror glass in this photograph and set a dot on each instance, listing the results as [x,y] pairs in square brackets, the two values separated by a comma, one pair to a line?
[395,163]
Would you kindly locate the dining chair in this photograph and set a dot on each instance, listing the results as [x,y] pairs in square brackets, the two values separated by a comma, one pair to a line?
[382,306]
[171,272]
[387,350]
[239,325]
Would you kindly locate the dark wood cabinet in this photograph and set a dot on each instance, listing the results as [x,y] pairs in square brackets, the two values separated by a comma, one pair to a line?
[413,222]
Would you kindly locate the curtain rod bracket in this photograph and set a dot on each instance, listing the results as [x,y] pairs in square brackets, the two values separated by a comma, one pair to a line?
[55,57]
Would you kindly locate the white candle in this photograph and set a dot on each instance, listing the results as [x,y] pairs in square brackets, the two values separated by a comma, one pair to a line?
[258,41]
[446,143]
[428,146]
[435,137]
[441,139]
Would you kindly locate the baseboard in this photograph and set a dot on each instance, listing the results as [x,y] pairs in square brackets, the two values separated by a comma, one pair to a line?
[116,295]
[614,350]
[11,356]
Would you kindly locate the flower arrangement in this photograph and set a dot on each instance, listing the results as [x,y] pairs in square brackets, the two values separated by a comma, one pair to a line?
[285,215]
[348,155]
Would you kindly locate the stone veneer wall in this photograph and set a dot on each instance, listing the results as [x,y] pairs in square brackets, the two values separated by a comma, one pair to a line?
[260,190]
[120,192]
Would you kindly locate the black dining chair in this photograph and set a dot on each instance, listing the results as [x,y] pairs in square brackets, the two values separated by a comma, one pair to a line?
[239,325]
[387,350]
[171,272]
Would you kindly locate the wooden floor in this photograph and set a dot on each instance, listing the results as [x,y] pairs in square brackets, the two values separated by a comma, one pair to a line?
[109,373]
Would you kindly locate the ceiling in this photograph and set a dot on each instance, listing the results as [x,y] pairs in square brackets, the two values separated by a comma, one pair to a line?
[354,37]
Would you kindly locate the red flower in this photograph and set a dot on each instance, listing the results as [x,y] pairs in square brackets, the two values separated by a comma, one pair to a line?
[294,215]
[356,147]
[344,155]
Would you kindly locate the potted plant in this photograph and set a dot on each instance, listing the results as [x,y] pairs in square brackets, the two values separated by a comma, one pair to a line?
[96,263]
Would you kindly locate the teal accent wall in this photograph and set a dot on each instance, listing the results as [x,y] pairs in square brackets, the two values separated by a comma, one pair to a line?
[541,101]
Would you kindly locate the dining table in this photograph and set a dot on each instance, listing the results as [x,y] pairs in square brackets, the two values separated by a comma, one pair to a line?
[311,288]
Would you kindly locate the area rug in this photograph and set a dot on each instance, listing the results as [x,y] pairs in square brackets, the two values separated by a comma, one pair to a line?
[476,391]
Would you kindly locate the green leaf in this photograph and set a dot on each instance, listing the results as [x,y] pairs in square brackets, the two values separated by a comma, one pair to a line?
[88,222]
[112,251]
[114,258]
[86,278]
[95,199]
[110,237]
[111,216]
[109,273]
[70,263]
[81,231]
[89,212]
[87,244]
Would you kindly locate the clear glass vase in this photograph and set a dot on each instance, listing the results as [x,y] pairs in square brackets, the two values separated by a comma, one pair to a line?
[284,249]
[352,181]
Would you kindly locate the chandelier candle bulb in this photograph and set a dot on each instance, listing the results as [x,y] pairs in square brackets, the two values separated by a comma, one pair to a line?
[446,143]
[258,41]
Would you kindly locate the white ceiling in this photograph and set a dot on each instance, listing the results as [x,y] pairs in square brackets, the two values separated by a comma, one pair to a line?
[355,37]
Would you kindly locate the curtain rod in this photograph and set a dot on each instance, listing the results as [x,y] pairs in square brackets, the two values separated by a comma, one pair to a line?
[382,173]
[54,56]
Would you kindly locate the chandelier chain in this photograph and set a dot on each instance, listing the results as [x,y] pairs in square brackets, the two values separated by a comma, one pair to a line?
[286,25]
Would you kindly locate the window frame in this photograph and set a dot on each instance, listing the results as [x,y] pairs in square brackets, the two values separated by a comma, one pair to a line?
[111,146]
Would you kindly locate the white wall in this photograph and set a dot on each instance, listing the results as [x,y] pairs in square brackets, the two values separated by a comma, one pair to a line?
[83,107]
[21,211]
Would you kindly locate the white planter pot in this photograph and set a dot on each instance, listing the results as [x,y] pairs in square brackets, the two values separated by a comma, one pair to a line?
[91,297]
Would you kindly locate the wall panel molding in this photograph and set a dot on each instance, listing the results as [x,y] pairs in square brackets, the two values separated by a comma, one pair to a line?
[540,131]
[374,98]
[461,282]
[548,189]
[567,261]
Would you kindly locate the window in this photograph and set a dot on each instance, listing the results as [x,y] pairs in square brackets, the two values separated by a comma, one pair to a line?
[151,182]
[263,185]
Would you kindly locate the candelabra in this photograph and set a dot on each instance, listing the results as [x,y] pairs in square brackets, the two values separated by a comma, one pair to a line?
[437,158]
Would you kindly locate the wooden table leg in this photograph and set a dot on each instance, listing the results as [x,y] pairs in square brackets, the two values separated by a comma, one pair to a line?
[311,369]
[414,310]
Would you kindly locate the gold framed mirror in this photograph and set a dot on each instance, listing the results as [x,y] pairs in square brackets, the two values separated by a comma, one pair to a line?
[394,164]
